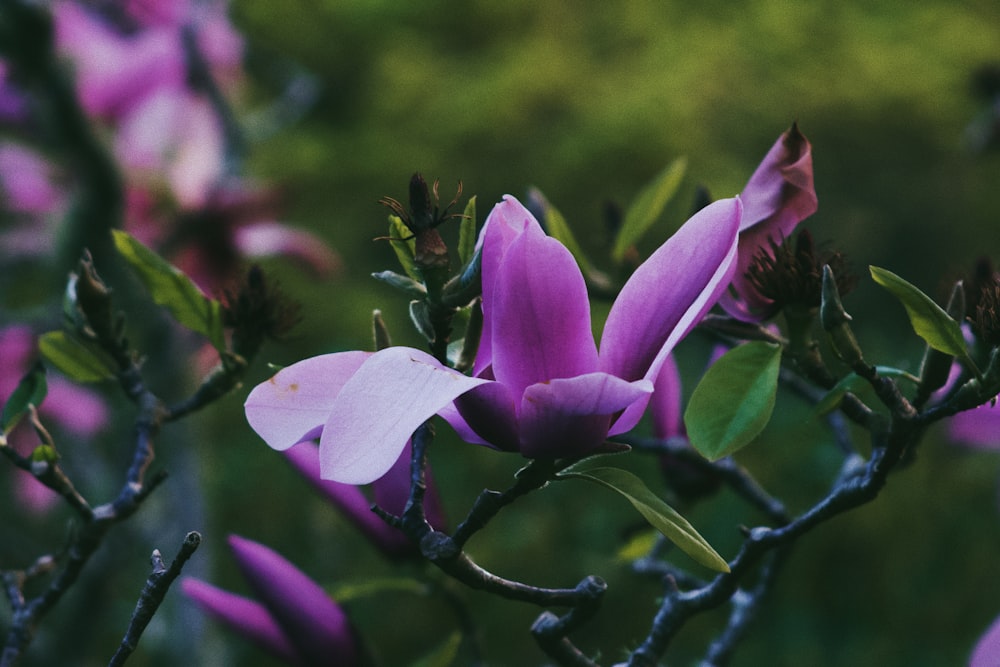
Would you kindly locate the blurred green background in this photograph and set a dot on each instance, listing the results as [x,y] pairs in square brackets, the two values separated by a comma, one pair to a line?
[587,101]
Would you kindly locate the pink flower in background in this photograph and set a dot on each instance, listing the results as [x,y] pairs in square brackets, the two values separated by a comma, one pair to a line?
[78,411]
[292,617]
[31,202]
[391,492]
[542,388]
[778,196]
[979,427]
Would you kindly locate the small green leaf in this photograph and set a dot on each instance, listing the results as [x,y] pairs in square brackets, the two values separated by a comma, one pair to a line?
[853,383]
[444,655]
[30,390]
[46,453]
[640,545]
[404,245]
[734,400]
[420,315]
[658,513]
[928,319]
[76,359]
[467,232]
[173,290]
[405,284]
[647,207]
[376,586]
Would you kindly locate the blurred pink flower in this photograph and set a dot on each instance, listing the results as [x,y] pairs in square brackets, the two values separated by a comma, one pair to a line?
[292,618]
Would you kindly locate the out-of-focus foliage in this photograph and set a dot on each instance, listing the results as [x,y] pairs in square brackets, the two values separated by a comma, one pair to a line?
[587,101]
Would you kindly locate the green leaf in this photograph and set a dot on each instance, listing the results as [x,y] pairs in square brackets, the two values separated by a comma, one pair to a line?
[853,383]
[734,400]
[444,655]
[76,359]
[647,207]
[658,513]
[420,315]
[638,546]
[928,319]
[31,391]
[173,290]
[376,586]
[405,284]
[467,232]
[404,245]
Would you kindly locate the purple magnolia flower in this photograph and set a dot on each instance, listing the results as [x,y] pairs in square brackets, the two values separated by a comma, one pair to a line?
[778,196]
[391,492]
[293,618]
[541,387]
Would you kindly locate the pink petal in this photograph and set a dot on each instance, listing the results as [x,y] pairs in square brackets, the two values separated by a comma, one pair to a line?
[670,292]
[489,412]
[987,651]
[540,314]
[316,625]
[26,179]
[380,407]
[248,618]
[506,221]
[269,239]
[570,417]
[665,404]
[778,196]
[74,408]
[294,404]
[979,427]
[349,499]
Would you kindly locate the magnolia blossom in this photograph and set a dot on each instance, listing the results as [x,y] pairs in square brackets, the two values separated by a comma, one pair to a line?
[391,493]
[979,427]
[778,196]
[293,618]
[541,387]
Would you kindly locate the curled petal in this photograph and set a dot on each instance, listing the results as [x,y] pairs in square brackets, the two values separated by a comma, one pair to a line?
[294,404]
[570,417]
[778,196]
[670,292]
[316,625]
[540,314]
[248,618]
[380,407]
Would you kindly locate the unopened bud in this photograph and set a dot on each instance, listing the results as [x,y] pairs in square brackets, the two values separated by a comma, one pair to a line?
[836,321]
